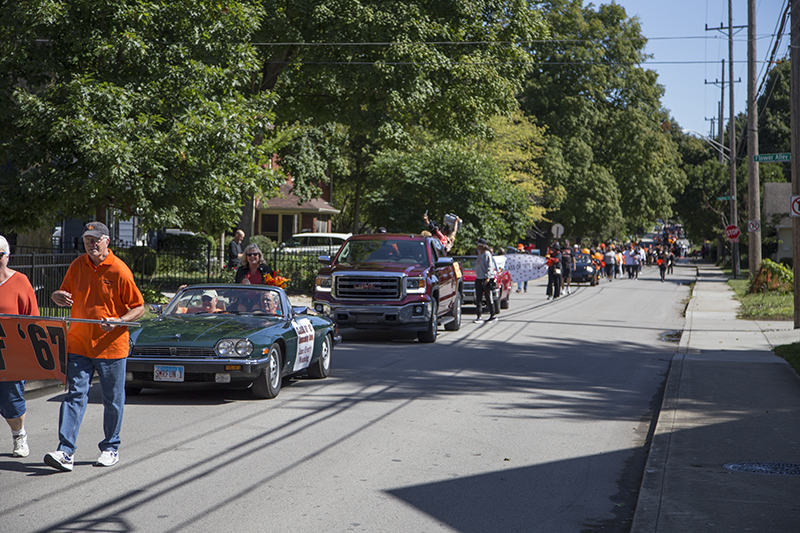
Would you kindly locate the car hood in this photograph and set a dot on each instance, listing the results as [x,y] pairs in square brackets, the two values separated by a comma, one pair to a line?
[199,329]
[409,270]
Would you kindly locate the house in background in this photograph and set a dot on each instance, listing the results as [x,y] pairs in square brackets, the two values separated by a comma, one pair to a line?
[279,218]
[777,200]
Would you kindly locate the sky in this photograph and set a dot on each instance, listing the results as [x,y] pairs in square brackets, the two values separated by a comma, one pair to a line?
[685,55]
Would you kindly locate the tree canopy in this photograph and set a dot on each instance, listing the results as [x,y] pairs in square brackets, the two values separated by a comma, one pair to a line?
[613,157]
[142,106]
[387,70]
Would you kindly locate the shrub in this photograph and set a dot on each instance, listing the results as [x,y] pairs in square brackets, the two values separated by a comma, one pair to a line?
[263,242]
[772,277]
[142,260]
[152,296]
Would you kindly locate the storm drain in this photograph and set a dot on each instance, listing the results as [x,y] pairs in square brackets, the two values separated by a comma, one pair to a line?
[770,469]
[672,336]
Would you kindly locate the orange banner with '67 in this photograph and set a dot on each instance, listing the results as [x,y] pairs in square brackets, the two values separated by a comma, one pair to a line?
[32,348]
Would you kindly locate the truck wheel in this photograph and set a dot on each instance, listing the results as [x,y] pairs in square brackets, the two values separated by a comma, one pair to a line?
[455,325]
[429,335]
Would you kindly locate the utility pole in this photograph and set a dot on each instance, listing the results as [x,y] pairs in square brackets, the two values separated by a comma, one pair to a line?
[731,134]
[794,47]
[753,185]
[732,144]
[712,130]
[721,82]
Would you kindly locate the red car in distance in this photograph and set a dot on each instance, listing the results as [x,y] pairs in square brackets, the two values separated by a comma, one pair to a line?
[501,294]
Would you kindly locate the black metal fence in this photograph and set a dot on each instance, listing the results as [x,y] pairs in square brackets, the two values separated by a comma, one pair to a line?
[157,271]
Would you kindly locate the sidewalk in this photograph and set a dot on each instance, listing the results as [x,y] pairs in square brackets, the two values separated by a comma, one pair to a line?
[728,399]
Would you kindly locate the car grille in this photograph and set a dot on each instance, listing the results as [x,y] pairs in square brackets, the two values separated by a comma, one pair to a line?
[469,286]
[368,287]
[172,351]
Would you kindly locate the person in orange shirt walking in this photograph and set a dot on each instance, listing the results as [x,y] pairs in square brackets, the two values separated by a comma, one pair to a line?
[16,298]
[98,285]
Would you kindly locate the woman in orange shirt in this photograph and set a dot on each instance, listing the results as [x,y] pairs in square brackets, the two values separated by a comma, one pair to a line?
[16,298]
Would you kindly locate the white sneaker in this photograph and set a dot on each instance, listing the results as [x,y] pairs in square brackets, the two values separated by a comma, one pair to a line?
[478,321]
[59,460]
[21,446]
[107,458]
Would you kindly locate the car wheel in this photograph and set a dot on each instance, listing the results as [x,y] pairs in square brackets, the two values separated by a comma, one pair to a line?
[322,368]
[455,325]
[593,282]
[504,303]
[268,384]
[132,391]
[429,335]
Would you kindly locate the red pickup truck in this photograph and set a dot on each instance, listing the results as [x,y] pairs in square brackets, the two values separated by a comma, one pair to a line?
[391,281]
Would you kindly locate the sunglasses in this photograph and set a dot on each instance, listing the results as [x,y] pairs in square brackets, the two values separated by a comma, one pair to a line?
[206,298]
[2,254]
[253,254]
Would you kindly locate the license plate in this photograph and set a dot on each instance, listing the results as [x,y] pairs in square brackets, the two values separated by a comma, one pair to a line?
[168,373]
[368,319]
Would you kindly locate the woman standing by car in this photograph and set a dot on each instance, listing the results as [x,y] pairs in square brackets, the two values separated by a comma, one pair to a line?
[253,267]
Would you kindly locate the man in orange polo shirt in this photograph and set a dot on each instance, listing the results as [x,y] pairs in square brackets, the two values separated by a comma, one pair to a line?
[98,285]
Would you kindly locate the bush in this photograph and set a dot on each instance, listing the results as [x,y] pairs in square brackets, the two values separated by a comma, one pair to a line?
[142,260]
[772,277]
[263,242]
[152,296]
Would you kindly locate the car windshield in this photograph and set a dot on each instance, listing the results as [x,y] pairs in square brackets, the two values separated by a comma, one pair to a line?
[466,262]
[383,251]
[247,299]
[294,242]
[582,258]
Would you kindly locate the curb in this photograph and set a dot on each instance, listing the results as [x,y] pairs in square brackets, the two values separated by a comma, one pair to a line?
[648,506]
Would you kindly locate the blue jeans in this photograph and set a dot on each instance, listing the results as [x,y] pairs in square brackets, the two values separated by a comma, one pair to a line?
[80,370]
[12,399]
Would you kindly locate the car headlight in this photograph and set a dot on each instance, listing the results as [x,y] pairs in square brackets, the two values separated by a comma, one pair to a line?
[415,285]
[234,348]
[323,283]
[589,269]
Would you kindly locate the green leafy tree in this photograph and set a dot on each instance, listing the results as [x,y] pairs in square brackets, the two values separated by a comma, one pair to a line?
[517,144]
[443,178]
[385,69]
[615,160]
[703,216]
[143,106]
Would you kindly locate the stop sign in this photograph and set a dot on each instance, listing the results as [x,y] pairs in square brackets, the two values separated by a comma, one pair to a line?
[732,232]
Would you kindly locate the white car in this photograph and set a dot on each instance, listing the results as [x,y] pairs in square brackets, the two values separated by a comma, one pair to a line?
[314,243]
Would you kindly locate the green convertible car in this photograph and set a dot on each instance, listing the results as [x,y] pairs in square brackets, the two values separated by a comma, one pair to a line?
[229,336]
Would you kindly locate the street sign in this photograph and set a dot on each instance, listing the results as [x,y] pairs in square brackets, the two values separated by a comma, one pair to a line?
[753,226]
[558,230]
[770,158]
[732,232]
[723,198]
[794,208]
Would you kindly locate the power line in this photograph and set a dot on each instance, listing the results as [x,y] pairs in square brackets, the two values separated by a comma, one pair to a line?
[516,43]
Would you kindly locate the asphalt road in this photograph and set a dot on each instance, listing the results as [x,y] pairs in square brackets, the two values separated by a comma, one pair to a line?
[538,422]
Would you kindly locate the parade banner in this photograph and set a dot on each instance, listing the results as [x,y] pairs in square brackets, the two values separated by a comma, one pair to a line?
[32,348]
[35,347]
[523,267]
